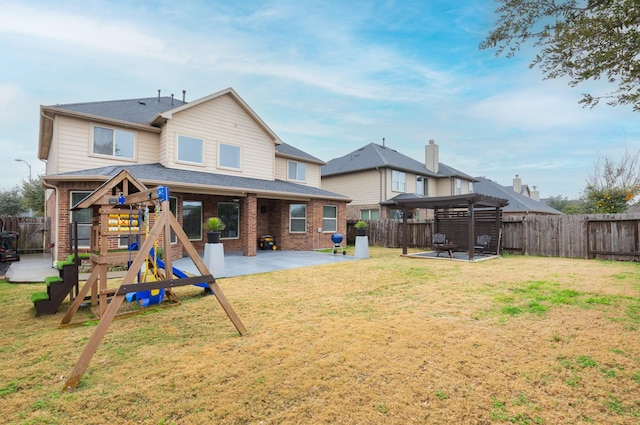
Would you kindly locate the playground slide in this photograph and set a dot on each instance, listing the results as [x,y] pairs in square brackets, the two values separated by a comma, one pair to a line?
[180,274]
[147,298]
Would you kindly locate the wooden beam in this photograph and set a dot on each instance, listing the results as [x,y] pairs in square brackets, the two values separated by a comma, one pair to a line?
[159,284]
[91,347]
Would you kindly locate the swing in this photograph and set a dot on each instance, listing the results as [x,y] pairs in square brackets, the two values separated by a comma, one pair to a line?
[149,270]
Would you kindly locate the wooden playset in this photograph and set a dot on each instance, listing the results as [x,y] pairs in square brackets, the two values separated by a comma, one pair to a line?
[119,206]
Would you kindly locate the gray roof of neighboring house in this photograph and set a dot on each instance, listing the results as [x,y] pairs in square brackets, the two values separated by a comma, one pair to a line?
[374,156]
[139,111]
[160,174]
[288,150]
[517,201]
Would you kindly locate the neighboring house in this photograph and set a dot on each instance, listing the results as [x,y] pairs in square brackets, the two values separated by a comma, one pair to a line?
[522,201]
[374,174]
[215,154]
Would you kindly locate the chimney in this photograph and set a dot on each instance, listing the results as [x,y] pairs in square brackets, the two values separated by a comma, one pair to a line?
[535,194]
[171,99]
[184,94]
[431,156]
[517,184]
[158,95]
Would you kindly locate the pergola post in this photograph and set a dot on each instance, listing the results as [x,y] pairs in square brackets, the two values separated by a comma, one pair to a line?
[472,231]
[405,227]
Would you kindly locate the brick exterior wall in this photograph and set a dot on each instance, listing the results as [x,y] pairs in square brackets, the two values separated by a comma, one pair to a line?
[258,217]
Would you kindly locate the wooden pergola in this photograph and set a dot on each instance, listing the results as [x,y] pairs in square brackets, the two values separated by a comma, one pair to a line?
[461,217]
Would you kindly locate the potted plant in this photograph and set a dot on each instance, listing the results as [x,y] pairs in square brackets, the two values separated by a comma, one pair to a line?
[361,228]
[213,226]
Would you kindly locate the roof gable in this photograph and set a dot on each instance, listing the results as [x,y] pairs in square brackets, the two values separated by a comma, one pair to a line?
[374,156]
[168,114]
[122,183]
[517,201]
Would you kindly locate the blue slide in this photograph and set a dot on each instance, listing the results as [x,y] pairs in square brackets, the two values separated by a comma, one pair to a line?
[180,274]
[147,298]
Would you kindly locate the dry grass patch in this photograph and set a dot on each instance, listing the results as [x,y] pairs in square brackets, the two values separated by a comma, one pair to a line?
[389,339]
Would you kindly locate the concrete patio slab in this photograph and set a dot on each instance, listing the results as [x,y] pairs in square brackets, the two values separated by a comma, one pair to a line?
[36,267]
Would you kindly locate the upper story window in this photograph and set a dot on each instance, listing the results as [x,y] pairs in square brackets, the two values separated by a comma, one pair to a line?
[297,171]
[229,156]
[458,187]
[470,187]
[190,149]
[422,185]
[111,142]
[398,181]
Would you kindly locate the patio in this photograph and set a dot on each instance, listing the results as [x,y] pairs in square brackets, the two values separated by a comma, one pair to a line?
[457,256]
[265,261]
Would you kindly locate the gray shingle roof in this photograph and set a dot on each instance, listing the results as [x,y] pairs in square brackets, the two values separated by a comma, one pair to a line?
[288,150]
[517,201]
[373,155]
[139,111]
[159,174]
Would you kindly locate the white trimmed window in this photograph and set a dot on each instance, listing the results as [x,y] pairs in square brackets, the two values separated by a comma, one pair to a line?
[82,217]
[369,214]
[330,218]
[190,149]
[297,171]
[398,181]
[112,142]
[228,156]
[458,187]
[298,218]
[229,213]
[470,187]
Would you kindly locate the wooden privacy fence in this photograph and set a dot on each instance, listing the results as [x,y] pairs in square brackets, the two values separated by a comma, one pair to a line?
[602,236]
[33,234]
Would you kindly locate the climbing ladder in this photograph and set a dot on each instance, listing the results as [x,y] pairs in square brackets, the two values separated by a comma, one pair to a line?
[58,287]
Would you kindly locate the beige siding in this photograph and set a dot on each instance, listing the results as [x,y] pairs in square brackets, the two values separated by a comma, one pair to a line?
[363,187]
[73,141]
[312,172]
[221,120]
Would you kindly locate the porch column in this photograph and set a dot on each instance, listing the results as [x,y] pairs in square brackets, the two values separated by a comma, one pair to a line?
[248,218]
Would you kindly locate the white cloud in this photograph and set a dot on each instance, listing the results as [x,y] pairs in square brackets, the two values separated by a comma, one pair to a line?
[67,30]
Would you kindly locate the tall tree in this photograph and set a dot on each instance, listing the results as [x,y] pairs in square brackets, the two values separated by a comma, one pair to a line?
[33,196]
[11,202]
[614,184]
[580,39]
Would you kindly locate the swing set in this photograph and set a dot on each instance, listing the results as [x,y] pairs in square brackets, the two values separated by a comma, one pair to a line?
[147,280]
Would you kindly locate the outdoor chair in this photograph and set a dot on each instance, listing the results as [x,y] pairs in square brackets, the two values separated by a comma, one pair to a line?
[482,243]
[441,243]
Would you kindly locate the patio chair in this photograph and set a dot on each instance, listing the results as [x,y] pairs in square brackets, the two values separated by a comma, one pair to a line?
[482,243]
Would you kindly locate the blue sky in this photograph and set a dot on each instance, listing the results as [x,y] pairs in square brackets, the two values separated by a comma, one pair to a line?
[328,77]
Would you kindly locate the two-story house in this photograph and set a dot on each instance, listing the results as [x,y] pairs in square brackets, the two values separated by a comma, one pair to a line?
[216,156]
[374,174]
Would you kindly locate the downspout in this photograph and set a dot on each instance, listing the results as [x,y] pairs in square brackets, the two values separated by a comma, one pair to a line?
[54,238]
[54,248]
[380,184]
